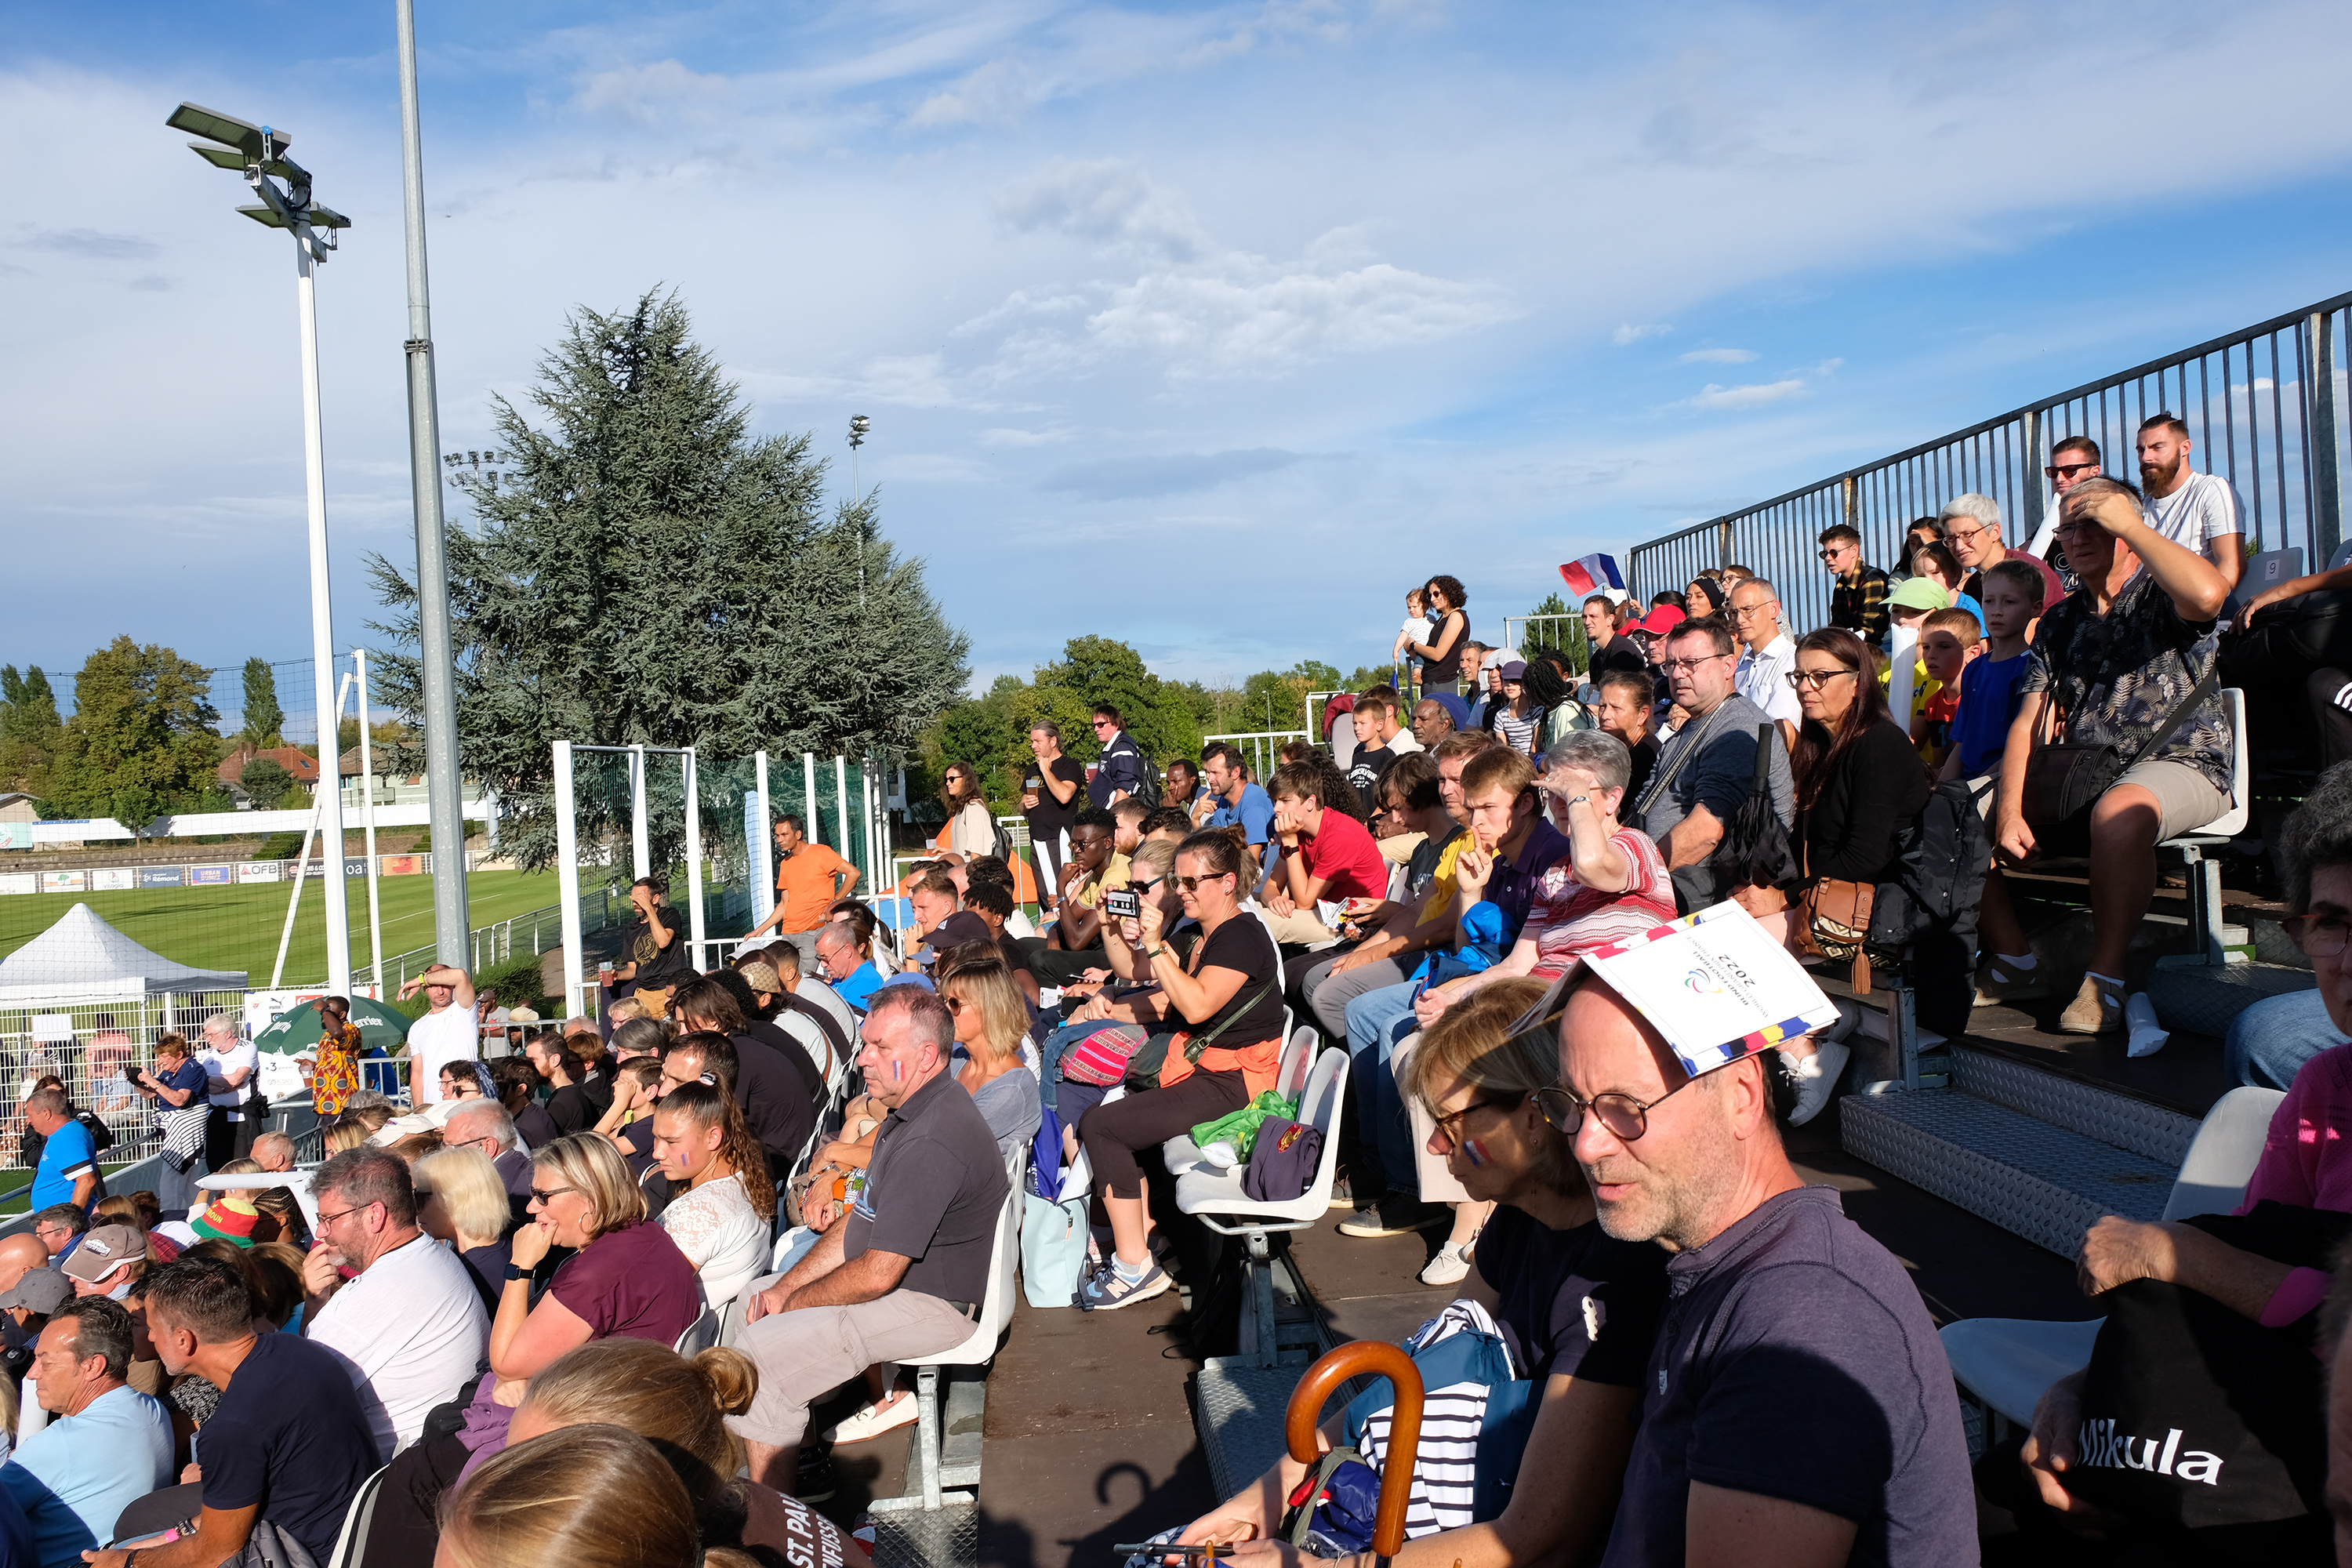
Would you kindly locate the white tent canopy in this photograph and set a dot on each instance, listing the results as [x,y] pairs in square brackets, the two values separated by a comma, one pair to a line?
[82,955]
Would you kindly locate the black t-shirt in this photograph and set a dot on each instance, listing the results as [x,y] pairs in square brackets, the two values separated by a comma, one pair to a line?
[1645,757]
[1437,671]
[568,1108]
[1572,1303]
[1421,871]
[775,1098]
[1242,943]
[1622,653]
[1050,816]
[289,1436]
[659,966]
[535,1126]
[1370,765]
[794,1051]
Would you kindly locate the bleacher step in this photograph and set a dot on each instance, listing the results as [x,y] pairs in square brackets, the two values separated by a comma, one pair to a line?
[2039,1179]
[2143,1128]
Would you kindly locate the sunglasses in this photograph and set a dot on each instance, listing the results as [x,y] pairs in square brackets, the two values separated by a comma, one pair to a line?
[1626,1118]
[1189,883]
[2068,470]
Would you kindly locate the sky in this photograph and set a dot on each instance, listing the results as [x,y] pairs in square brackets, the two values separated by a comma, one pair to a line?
[1209,327]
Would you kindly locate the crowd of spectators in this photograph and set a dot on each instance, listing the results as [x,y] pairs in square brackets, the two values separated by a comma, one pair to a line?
[495,1293]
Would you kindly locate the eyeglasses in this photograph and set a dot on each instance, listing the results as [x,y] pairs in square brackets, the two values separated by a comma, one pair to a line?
[955,1004]
[326,1219]
[421,1193]
[1450,1123]
[2319,936]
[1140,885]
[538,1197]
[1102,724]
[1626,1118]
[1189,883]
[1967,535]
[1835,551]
[1671,665]
[2068,470]
[1737,614]
[1817,679]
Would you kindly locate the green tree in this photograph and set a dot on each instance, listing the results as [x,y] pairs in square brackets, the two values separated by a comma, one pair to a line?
[267,781]
[1564,633]
[30,730]
[651,574]
[142,740]
[1095,669]
[264,718]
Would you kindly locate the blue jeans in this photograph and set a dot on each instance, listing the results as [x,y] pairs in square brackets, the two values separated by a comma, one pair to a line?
[1055,1046]
[2270,1041]
[1377,1020]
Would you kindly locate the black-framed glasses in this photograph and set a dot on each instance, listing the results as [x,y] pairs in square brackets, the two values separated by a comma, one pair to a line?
[539,1197]
[1626,1118]
[1817,679]
[2319,936]
[1450,1123]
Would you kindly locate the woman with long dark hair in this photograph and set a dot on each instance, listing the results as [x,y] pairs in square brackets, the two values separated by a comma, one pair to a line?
[1449,627]
[1860,787]
[971,830]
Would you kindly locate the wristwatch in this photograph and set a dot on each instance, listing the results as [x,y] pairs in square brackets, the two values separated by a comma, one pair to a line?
[1580,800]
[516,1271]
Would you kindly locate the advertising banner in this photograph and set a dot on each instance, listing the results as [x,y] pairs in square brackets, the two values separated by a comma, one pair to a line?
[20,883]
[211,876]
[65,882]
[160,876]
[260,871]
[401,865]
[113,878]
[355,870]
[15,835]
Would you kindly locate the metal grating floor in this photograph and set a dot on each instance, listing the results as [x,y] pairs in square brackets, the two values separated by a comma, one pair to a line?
[1239,1417]
[2043,1182]
[946,1538]
[2147,1129]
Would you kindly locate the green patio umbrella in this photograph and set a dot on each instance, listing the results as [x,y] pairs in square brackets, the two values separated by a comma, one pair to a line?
[380,1027]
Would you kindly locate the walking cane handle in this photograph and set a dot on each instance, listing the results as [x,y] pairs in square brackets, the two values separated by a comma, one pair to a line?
[1373,1358]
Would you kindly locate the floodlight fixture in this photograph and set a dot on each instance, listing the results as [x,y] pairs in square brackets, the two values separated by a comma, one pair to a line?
[257,142]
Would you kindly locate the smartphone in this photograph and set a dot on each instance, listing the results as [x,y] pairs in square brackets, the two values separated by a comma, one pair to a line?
[1122,903]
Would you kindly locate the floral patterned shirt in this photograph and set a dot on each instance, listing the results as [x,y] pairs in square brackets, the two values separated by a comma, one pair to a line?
[336,1077]
[2116,677]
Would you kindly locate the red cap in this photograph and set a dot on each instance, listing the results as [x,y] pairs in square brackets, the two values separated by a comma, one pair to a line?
[1662,619]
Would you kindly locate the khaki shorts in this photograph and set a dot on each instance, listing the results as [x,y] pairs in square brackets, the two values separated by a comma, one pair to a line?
[2184,801]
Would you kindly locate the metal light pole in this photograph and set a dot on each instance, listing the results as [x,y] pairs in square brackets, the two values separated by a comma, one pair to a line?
[259,153]
[859,425]
[443,778]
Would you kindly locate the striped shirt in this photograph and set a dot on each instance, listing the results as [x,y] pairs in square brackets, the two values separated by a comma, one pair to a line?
[1568,918]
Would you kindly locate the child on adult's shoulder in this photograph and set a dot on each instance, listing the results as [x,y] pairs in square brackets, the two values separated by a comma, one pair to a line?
[1990,690]
[1948,642]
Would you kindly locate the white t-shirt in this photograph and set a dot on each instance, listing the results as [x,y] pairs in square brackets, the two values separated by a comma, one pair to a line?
[1763,679]
[216,1063]
[2205,508]
[409,1331]
[721,1235]
[452,1035]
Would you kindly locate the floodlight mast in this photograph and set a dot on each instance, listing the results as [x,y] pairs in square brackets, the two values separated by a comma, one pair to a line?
[443,778]
[260,151]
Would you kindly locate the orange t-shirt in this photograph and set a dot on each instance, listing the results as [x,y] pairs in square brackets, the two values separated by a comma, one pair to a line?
[804,886]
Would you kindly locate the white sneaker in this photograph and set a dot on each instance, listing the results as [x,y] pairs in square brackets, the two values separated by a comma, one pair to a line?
[1450,1266]
[1849,1016]
[1816,1077]
[873,1420]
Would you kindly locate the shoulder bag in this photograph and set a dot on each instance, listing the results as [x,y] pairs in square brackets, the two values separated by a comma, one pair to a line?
[1638,819]
[2062,778]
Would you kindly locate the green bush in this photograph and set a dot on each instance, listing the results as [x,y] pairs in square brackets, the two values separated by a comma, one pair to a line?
[280,847]
[515,980]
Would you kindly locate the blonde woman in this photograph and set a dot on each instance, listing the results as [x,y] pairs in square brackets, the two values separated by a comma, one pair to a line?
[991,1026]
[725,1207]
[681,1406]
[555,1503]
[461,1200]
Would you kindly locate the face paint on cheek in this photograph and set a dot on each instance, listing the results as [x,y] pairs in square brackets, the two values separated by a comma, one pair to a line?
[1476,1152]
[897,1072]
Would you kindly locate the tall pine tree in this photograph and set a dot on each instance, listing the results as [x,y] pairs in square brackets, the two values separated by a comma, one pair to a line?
[262,717]
[30,730]
[651,574]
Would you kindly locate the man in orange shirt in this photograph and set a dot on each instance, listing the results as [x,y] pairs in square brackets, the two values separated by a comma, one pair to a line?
[808,876]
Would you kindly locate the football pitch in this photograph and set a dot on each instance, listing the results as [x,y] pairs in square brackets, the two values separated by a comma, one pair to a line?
[237,927]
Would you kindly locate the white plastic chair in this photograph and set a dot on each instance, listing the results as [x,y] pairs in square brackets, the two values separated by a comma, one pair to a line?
[2008,1362]
[352,1541]
[932,1474]
[1180,1154]
[2205,875]
[1215,1197]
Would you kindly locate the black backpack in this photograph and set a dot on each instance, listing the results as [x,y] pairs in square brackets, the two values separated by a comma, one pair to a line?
[1930,906]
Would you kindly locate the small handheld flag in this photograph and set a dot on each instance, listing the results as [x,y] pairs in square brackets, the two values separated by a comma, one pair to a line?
[1591,575]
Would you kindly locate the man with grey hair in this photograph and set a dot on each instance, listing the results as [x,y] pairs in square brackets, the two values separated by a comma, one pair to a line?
[408,1326]
[273,1151]
[1768,655]
[488,1126]
[853,974]
[903,1273]
[229,1062]
[1974,524]
[106,1444]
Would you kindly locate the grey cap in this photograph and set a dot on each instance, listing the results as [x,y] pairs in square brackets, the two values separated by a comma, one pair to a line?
[42,1291]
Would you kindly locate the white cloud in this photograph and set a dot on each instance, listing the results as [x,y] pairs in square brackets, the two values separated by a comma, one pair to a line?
[1718,356]
[1627,332]
[1714,396]
[655,94]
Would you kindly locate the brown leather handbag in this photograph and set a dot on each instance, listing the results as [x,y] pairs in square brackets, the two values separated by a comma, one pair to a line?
[1837,924]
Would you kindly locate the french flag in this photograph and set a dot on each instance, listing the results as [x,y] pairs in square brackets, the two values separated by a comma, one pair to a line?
[1593,574]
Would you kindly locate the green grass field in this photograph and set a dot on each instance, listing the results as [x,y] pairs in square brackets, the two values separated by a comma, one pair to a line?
[237,927]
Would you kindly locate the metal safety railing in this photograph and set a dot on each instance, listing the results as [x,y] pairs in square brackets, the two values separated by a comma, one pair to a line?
[1524,635]
[2262,405]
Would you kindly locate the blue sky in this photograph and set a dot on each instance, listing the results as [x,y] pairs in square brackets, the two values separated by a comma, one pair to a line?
[1209,327]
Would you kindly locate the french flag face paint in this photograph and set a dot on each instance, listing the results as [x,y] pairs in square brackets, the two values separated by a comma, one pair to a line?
[1474,1152]
[897,1072]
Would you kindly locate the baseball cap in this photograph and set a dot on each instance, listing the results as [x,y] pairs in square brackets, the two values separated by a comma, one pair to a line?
[959,927]
[104,1250]
[1919,593]
[41,1291]
[1662,619]
[1514,670]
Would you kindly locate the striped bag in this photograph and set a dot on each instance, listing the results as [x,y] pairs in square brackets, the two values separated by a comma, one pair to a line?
[1476,1416]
